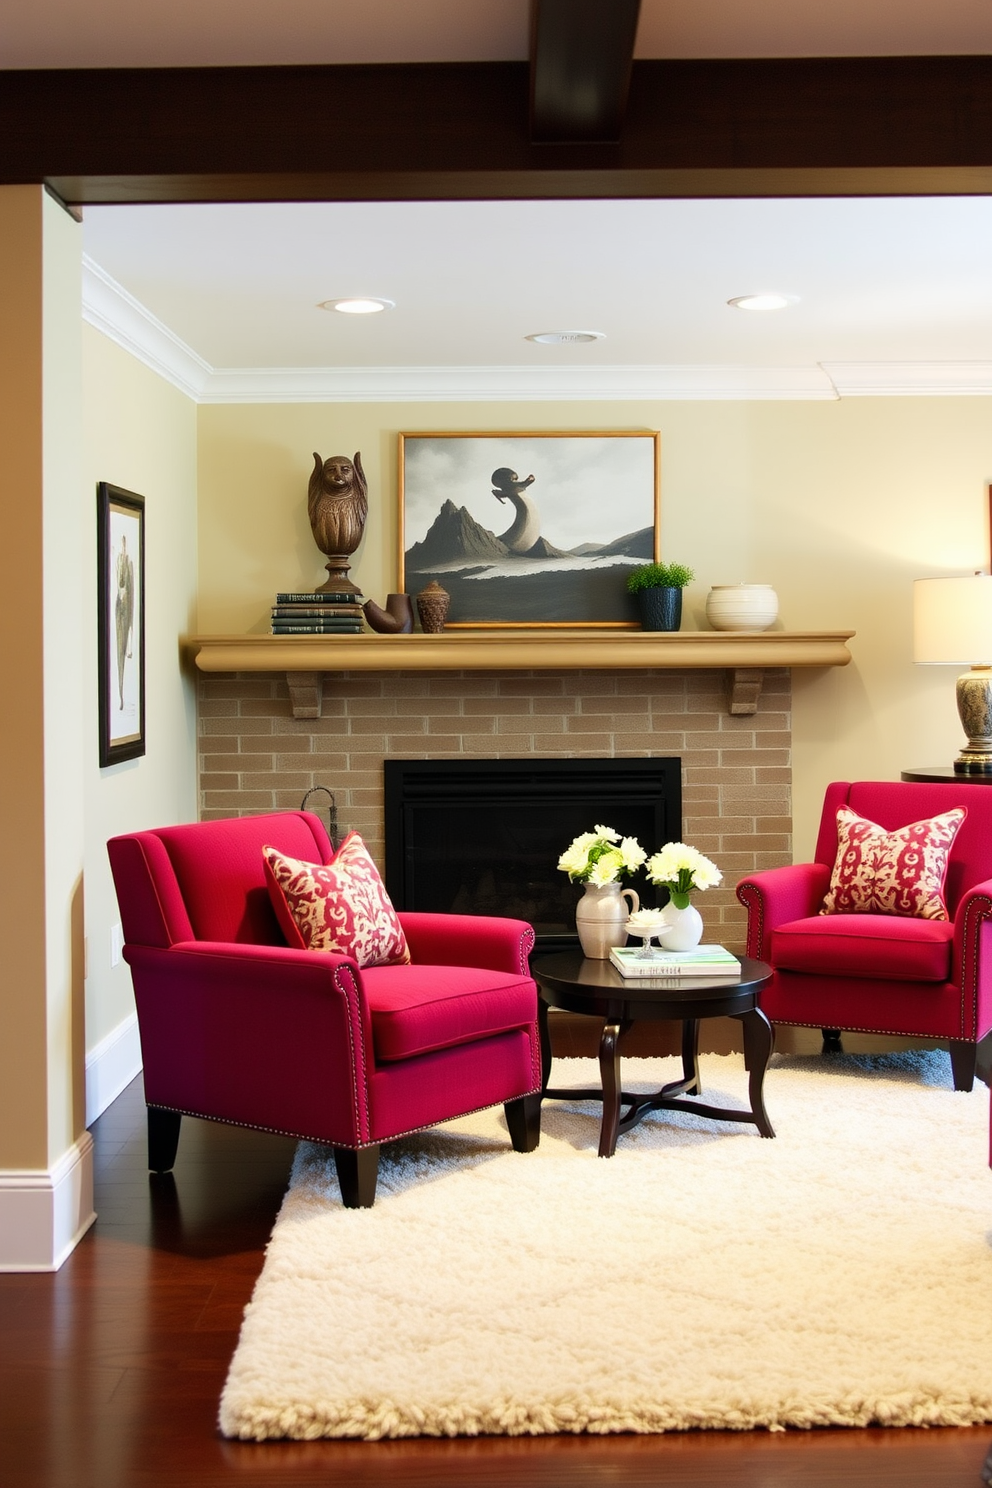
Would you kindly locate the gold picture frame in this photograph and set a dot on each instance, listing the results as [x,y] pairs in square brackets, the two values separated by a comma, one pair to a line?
[593,513]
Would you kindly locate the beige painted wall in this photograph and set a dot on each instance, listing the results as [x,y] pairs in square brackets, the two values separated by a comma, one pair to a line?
[64,529]
[838,504]
[140,433]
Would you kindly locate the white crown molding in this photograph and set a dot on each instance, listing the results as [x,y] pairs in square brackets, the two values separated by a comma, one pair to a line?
[910,379]
[111,1066]
[44,1213]
[509,384]
[111,309]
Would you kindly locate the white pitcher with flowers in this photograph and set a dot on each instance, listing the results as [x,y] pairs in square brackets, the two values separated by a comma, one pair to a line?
[680,869]
[600,859]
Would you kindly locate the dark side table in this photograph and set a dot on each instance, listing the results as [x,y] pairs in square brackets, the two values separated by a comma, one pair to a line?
[946,774]
[568,980]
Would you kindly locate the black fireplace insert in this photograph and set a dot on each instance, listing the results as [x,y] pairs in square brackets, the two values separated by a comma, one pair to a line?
[484,836]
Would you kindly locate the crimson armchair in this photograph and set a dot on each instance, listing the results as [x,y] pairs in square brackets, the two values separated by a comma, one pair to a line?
[880,973]
[237,1026]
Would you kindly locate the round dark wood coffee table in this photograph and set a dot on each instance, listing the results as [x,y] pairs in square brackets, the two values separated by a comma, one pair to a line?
[568,980]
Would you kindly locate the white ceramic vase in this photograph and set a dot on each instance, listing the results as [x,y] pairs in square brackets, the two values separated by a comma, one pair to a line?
[684,928]
[601,918]
[741,606]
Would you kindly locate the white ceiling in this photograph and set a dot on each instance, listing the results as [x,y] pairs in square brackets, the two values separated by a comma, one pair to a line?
[898,287]
[176,33]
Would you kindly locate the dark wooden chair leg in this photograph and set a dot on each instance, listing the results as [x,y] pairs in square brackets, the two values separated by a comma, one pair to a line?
[831,1041]
[358,1172]
[523,1121]
[163,1138]
[964,1059]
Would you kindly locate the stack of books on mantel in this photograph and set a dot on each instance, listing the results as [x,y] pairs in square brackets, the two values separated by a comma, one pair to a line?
[704,960]
[317,614]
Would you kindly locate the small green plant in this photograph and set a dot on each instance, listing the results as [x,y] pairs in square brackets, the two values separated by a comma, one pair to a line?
[659,576]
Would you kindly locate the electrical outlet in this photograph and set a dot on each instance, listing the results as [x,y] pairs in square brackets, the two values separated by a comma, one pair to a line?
[116,944]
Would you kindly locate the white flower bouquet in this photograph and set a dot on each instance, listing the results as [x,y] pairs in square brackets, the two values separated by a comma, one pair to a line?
[601,857]
[680,869]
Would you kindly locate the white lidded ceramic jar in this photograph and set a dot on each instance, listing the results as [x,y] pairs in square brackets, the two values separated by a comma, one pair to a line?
[741,606]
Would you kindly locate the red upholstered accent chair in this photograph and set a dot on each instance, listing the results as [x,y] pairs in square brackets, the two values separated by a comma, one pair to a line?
[879,973]
[237,1026]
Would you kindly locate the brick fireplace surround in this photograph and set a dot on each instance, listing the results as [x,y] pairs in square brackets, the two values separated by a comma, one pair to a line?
[736,771]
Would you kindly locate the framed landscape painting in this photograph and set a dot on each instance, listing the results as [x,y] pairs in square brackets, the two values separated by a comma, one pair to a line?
[121,623]
[529,529]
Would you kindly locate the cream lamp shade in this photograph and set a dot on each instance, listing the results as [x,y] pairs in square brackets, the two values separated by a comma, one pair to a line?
[952,624]
[952,620]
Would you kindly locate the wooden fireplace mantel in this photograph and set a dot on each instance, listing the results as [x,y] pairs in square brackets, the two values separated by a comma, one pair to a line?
[744,655]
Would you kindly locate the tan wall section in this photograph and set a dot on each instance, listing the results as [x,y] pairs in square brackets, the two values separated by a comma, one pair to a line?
[840,505]
[41,1013]
[140,434]
[23,1022]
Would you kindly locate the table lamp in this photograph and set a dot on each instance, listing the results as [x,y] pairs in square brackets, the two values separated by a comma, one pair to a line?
[952,623]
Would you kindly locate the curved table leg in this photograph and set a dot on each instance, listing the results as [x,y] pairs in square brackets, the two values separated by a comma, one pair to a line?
[609,1071]
[758,1042]
[545,1036]
[690,1056]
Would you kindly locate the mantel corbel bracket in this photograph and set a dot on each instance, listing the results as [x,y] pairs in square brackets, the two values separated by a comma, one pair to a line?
[744,689]
[305,693]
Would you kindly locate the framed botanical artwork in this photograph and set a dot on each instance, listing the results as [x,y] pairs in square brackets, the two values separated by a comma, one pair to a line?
[120,528]
[529,529]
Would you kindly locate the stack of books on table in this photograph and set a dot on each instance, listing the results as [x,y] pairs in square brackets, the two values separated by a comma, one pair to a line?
[704,960]
[317,614]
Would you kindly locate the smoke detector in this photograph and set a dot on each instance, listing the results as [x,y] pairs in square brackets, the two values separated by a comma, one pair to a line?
[564,338]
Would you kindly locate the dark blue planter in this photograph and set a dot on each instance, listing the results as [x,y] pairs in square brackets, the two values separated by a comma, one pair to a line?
[661,608]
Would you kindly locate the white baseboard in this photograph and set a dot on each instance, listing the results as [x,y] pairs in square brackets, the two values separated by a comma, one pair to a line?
[111,1066]
[45,1212]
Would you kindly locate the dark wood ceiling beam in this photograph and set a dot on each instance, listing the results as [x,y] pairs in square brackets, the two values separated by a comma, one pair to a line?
[434,131]
[581,54]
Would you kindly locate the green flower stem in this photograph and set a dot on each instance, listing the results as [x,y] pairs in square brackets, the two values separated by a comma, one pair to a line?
[679,898]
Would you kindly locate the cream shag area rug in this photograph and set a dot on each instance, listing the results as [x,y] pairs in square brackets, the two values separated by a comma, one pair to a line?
[703,1277]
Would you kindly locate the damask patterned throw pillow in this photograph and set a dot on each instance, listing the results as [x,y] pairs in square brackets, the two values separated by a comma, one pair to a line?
[340,907]
[891,873]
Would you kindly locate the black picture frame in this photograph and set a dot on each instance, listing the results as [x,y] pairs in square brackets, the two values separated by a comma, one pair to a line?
[120,525]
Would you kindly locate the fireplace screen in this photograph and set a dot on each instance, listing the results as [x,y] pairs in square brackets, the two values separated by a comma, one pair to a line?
[484,836]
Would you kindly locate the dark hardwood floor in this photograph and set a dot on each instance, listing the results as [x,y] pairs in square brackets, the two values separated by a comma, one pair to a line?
[111,1370]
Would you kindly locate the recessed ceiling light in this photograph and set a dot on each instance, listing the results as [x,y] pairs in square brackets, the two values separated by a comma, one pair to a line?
[763,301]
[363,306]
[565,338]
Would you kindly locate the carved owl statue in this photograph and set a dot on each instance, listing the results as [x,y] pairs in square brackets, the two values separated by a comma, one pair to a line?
[337,503]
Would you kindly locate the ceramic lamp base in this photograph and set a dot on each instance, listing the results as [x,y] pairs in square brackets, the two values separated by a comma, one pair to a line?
[974,698]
